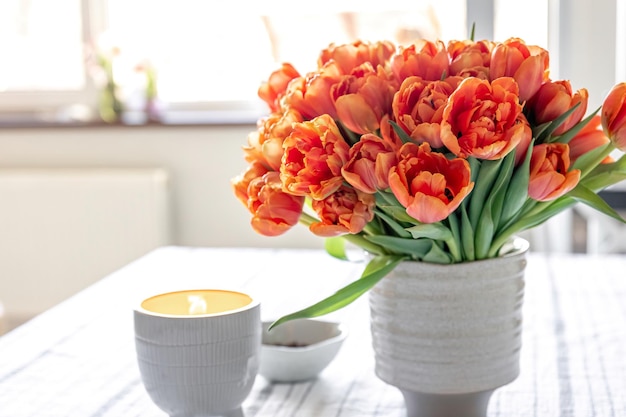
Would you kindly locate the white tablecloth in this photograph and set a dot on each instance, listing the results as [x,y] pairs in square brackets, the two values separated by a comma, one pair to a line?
[78,358]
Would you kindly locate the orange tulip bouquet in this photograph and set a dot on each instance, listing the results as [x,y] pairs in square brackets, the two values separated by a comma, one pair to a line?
[426,152]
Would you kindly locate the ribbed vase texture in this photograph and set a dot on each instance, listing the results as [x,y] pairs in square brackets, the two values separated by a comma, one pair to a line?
[449,329]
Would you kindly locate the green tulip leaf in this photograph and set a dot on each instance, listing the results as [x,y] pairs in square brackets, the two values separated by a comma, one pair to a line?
[604,175]
[435,231]
[517,191]
[550,210]
[399,213]
[416,248]
[547,211]
[600,182]
[467,236]
[484,234]
[386,198]
[487,175]
[474,168]
[491,213]
[618,165]
[437,255]
[588,197]
[498,192]
[588,161]
[398,229]
[375,270]
[390,205]
[454,242]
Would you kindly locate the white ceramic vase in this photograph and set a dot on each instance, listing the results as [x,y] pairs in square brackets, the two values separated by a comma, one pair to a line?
[448,335]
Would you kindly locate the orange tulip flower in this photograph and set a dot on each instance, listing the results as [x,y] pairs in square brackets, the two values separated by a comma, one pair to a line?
[426,59]
[527,64]
[428,184]
[550,176]
[345,211]
[469,58]
[274,89]
[555,98]
[589,138]
[310,95]
[240,184]
[363,98]
[274,211]
[614,116]
[484,119]
[266,144]
[351,55]
[418,107]
[314,154]
[370,161]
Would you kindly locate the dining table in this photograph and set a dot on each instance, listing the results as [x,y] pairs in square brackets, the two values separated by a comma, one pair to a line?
[78,358]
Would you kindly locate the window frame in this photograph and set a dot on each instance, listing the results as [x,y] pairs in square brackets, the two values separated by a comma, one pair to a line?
[620,41]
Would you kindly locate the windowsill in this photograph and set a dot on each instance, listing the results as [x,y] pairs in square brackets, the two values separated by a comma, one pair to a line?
[103,125]
[224,114]
[182,120]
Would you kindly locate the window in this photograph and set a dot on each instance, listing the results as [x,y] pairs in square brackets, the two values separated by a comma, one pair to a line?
[620,65]
[522,19]
[41,54]
[52,44]
[210,57]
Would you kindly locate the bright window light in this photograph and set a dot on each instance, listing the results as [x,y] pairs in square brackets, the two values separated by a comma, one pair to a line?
[40,52]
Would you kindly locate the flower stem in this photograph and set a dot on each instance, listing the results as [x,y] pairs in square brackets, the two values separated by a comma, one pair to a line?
[532,207]
[539,214]
[499,241]
[373,228]
[597,160]
[364,244]
[454,243]
[307,219]
[358,239]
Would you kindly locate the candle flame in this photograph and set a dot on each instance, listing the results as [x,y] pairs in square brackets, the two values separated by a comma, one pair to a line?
[197,304]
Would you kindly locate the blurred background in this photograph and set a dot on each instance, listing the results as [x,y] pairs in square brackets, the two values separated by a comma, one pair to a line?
[122,121]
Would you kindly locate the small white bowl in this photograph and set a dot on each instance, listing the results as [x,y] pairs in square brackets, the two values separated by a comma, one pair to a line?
[299,350]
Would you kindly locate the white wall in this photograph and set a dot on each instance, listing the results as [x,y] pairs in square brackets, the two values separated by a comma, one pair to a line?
[200,162]
[63,229]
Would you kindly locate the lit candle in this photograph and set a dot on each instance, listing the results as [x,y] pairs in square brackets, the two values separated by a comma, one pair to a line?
[196,302]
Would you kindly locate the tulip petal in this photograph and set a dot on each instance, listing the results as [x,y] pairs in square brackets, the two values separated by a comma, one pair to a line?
[614,116]
[356,114]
